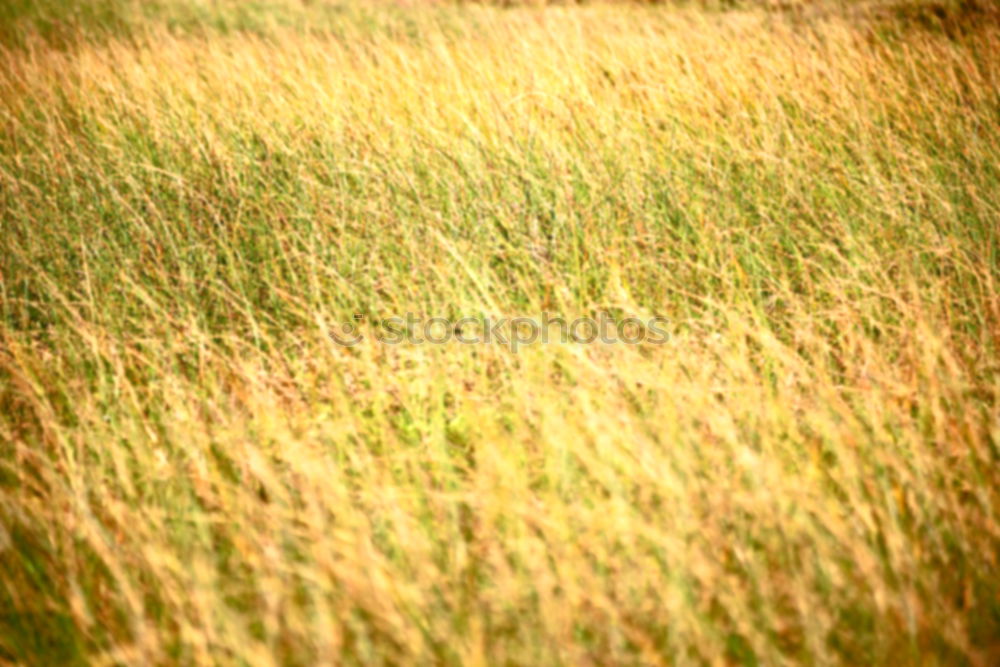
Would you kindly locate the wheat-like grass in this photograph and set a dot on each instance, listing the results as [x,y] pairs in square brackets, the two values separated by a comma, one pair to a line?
[194,196]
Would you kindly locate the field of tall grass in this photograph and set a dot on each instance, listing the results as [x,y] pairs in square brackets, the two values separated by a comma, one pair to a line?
[195,198]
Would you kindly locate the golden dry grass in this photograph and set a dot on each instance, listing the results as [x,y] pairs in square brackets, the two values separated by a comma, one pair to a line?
[192,471]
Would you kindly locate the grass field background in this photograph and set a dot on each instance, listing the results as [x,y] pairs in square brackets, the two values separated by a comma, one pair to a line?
[193,195]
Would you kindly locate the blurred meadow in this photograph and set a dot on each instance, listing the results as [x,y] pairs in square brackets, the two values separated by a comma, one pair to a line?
[194,195]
